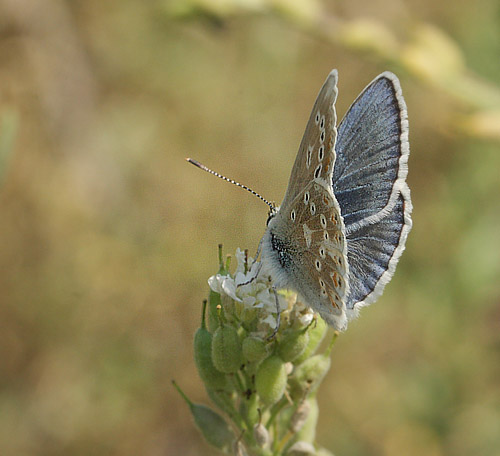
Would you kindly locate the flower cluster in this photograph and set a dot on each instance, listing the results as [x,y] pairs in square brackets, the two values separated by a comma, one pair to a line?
[252,298]
[265,382]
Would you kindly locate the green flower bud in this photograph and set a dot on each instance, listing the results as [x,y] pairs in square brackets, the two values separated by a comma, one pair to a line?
[316,333]
[213,427]
[293,345]
[211,377]
[309,374]
[254,349]
[270,380]
[226,349]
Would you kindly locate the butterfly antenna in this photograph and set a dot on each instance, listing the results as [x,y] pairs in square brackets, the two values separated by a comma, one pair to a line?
[208,170]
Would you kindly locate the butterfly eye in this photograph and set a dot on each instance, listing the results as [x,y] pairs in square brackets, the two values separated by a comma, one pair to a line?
[322,252]
[322,123]
[318,265]
[317,118]
[292,215]
[321,152]
[313,208]
[322,219]
[317,171]
[306,197]
[321,283]
[325,235]
[308,159]
[322,135]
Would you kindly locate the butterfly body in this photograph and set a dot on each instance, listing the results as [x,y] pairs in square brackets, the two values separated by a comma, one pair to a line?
[342,226]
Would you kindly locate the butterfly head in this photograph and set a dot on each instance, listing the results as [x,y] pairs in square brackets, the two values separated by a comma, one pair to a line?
[273,210]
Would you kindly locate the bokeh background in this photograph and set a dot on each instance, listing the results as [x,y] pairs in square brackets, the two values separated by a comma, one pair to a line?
[107,236]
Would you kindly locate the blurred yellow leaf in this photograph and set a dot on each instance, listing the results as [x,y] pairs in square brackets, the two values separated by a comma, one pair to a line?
[433,55]
[303,12]
[369,35]
[484,124]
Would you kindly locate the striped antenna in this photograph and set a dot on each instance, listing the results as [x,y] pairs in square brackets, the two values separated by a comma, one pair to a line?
[208,170]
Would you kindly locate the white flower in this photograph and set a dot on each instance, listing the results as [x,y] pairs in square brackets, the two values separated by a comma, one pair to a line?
[252,291]
[270,320]
[255,292]
[307,318]
[223,285]
[304,314]
[242,260]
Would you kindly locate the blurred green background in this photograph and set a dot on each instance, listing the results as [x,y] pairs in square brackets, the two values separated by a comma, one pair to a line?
[107,236]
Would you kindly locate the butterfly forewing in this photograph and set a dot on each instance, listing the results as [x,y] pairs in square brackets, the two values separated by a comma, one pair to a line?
[319,267]
[316,156]
[307,236]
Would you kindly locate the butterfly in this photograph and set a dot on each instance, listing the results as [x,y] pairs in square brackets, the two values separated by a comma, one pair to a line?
[342,226]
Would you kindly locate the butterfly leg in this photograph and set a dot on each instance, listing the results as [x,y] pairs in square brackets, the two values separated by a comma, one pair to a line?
[259,248]
[259,266]
[278,315]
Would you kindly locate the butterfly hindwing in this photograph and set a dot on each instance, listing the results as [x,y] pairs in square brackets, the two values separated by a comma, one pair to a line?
[374,251]
[318,269]
[369,184]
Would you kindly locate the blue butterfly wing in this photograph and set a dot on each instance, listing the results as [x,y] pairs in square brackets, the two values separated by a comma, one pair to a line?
[373,252]
[369,182]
